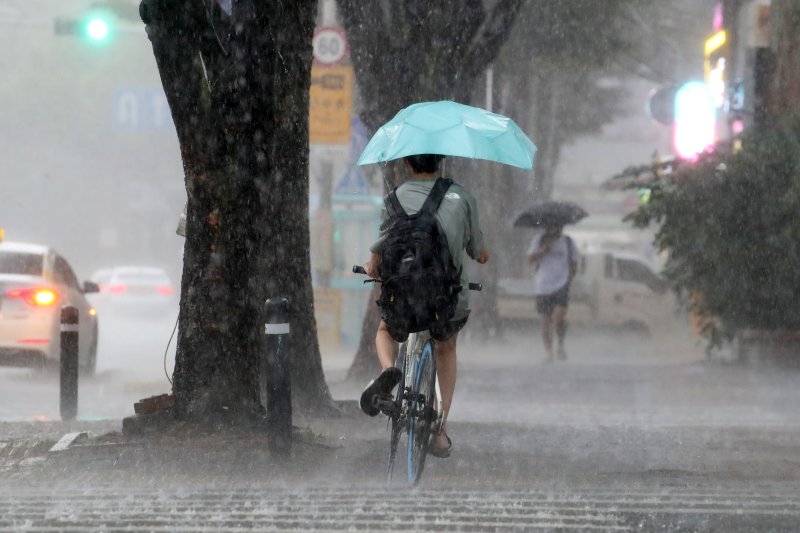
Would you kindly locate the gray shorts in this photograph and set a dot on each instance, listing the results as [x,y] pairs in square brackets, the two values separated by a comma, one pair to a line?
[545,303]
[451,328]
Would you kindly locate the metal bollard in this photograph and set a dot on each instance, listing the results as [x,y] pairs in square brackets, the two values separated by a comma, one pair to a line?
[276,375]
[68,368]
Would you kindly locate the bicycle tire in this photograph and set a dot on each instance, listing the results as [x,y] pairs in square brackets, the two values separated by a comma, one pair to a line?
[394,440]
[396,422]
[423,391]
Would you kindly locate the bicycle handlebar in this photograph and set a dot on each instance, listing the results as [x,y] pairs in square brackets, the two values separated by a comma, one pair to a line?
[358,269]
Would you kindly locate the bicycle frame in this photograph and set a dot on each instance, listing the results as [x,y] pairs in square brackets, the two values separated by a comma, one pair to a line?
[416,342]
[403,410]
[410,406]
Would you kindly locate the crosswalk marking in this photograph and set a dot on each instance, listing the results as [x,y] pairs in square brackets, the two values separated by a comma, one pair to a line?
[249,508]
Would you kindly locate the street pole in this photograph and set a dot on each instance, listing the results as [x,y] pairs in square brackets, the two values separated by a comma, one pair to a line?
[276,376]
[68,366]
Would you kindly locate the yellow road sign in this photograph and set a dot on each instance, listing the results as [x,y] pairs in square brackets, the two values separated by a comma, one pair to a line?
[331,104]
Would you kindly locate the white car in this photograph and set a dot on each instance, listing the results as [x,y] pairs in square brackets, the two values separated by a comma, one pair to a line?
[35,283]
[139,290]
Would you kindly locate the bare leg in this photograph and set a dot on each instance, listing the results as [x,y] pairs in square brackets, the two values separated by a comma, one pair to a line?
[560,318]
[547,334]
[386,346]
[446,369]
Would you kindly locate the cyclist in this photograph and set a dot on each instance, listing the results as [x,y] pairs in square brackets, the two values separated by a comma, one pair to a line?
[458,217]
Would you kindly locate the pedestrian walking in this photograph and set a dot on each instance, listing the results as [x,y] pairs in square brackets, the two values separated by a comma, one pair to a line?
[556,258]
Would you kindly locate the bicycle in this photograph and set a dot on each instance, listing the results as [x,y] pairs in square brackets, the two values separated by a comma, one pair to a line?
[417,403]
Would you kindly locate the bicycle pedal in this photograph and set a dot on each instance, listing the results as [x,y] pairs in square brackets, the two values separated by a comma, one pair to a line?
[386,403]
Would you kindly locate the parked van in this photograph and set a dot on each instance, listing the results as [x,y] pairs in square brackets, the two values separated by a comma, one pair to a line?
[611,288]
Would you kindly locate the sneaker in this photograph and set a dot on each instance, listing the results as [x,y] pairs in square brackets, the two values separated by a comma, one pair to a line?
[383,384]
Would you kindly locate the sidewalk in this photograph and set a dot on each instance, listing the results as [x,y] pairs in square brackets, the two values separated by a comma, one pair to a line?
[604,410]
[613,439]
[25,445]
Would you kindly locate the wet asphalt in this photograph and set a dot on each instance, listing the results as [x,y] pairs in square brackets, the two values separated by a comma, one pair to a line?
[624,435]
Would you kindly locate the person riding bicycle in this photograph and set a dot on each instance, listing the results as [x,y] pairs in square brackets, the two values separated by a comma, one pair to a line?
[458,218]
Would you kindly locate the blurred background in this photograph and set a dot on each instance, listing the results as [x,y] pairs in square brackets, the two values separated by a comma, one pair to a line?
[90,165]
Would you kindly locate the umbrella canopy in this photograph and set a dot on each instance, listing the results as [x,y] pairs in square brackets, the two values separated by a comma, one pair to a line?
[551,214]
[450,128]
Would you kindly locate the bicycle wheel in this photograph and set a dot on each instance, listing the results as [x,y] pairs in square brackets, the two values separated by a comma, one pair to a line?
[421,410]
[397,422]
[397,428]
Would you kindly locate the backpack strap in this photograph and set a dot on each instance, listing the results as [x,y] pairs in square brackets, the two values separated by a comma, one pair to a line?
[393,206]
[436,196]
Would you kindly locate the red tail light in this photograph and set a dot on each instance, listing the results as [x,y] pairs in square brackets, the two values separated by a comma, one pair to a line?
[117,289]
[33,296]
[164,290]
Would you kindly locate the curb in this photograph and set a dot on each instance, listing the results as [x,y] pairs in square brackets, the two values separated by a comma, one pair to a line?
[23,453]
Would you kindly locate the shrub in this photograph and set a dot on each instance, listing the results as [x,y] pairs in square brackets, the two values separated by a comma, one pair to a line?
[730,225]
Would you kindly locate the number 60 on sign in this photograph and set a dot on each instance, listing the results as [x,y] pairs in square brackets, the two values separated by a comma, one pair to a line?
[330,46]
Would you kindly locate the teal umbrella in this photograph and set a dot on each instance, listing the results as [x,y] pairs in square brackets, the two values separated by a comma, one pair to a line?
[450,128]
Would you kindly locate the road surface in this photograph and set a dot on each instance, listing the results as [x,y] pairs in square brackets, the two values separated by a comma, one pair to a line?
[623,436]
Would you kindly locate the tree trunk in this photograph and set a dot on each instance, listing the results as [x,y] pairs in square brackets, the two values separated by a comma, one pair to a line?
[546,128]
[365,362]
[785,44]
[238,93]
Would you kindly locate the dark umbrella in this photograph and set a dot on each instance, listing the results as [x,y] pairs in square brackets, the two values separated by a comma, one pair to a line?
[550,214]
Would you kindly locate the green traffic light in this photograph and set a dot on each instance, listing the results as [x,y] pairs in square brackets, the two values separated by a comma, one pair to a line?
[97,29]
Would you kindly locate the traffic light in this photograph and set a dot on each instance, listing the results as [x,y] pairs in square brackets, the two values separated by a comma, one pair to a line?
[93,27]
[97,28]
[694,129]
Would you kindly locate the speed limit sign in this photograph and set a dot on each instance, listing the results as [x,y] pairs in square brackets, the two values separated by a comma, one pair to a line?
[330,45]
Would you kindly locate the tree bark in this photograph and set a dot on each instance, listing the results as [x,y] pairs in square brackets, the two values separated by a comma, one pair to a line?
[238,93]
[785,43]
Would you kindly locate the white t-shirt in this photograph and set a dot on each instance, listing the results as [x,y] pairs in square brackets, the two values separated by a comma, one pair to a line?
[552,272]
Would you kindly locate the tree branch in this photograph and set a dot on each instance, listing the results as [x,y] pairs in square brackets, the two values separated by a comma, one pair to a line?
[493,33]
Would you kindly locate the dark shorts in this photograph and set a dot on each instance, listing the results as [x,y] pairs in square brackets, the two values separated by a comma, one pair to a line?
[547,302]
[449,329]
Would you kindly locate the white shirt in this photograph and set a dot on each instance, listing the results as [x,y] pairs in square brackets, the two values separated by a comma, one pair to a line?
[552,272]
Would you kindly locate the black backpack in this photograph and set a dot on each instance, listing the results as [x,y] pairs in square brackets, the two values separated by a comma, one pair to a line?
[419,282]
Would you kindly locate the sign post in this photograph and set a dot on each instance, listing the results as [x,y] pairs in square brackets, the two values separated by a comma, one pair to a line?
[331,95]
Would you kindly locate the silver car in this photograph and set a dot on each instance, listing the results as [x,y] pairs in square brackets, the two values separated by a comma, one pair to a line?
[142,291]
[35,283]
